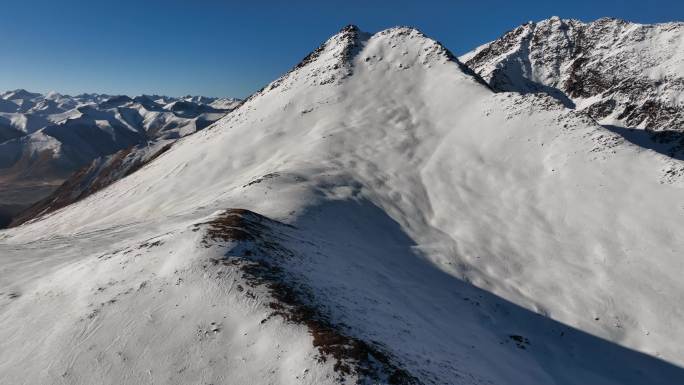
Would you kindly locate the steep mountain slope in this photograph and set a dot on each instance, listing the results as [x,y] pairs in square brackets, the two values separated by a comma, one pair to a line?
[623,74]
[375,215]
[99,174]
[44,138]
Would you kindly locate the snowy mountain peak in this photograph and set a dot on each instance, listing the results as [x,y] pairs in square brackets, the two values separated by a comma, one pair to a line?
[53,95]
[621,73]
[335,59]
[116,101]
[18,94]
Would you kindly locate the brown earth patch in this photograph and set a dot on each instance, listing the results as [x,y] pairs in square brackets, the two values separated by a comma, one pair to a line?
[258,254]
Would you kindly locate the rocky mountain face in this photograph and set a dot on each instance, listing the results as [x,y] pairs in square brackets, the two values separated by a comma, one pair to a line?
[623,74]
[45,138]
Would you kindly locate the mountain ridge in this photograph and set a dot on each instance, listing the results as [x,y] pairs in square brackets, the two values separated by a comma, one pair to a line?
[621,73]
[45,138]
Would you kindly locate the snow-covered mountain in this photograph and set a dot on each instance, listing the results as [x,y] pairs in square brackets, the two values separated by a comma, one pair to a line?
[44,138]
[375,215]
[623,74]
[99,174]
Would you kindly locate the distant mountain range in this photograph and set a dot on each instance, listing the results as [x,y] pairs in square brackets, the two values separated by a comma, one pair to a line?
[45,138]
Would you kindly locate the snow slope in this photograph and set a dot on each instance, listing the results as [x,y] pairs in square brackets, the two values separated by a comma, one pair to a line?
[423,229]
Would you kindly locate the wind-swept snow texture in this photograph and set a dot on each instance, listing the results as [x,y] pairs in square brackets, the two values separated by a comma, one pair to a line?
[406,225]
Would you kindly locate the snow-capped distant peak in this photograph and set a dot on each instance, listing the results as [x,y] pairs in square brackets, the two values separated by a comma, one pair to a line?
[53,95]
[19,94]
[335,59]
[84,127]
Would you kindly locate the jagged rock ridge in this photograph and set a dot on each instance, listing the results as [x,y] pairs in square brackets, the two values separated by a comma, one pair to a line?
[621,73]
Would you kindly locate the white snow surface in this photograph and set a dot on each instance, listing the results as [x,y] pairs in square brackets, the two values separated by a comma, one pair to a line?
[431,216]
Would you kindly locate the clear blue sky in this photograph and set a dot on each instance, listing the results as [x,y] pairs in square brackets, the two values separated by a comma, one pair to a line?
[232,48]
